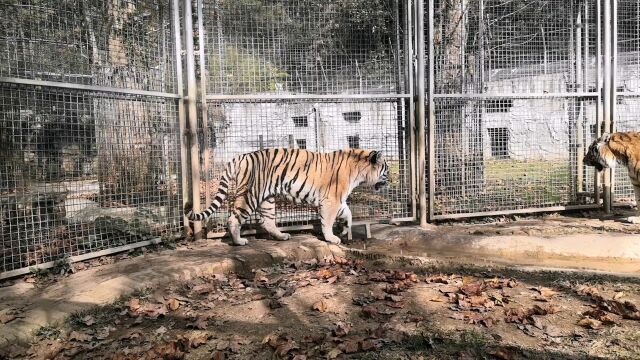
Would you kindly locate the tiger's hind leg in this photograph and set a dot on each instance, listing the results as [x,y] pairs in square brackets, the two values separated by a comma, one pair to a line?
[267,212]
[328,212]
[636,219]
[241,211]
[345,214]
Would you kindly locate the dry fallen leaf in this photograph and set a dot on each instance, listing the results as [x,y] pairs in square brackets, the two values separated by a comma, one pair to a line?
[503,354]
[199,339]
[320,306]
[349,347]
[88,320]
[334,353]
[368,345]
[342,329]
[437,299]
[218,355]
[588,322]
[134,304]
[173,304]
[601,316]
[284,348]
[78,336]
[5,318]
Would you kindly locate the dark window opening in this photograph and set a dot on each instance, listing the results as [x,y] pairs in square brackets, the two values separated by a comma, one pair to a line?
[300,121]
[499,106]
[302,143]
[619,95]
[352,116]
[499,142]
[354,141]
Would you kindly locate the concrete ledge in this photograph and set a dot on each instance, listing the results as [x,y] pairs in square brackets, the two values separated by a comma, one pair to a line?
[104,284]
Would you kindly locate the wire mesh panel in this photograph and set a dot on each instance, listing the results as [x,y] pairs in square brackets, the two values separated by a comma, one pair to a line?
[304,46]
[322,126]
[523,158]
[82,172]
[123,43]
[323,53]
[627,87]
[510,128]
[83,169]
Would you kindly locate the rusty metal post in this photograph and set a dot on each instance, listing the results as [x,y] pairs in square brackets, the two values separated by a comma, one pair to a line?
[192,112]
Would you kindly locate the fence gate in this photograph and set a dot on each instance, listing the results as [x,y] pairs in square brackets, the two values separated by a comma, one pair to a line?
[514,100]
[316,74]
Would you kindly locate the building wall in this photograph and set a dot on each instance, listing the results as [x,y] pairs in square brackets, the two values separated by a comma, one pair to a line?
[244,127]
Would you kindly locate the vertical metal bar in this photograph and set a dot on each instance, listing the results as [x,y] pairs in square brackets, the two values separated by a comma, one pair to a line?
[614,88]
[192,113]
[481,55]
[410,62]
[203,102]
[578,104]
[261,142]
[606,89]
[182,121]
[420,110]
[431,116]
[292,144]
[599,115]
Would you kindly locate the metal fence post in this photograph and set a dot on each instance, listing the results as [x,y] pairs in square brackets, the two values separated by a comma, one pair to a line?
[184,157]
[193,115]
[431,115]
[410,75]
[420,112]
[607,96]
[599,114]
[203,103]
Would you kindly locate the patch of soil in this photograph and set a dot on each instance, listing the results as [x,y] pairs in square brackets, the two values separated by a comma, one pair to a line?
[352,308]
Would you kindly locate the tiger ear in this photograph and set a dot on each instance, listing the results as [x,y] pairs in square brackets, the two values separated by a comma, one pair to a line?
[605,137]
[376,157]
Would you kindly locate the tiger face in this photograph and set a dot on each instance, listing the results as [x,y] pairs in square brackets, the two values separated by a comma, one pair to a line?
[378,171]
[599,155]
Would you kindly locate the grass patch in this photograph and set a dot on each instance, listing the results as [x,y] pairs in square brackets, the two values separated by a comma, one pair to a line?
[47,332]
[509,184]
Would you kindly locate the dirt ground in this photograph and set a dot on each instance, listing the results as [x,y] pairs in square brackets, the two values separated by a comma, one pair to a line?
[359,309]
[372,305]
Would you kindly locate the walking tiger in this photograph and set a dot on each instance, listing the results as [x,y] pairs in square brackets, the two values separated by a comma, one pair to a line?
[324,180]
[623,148]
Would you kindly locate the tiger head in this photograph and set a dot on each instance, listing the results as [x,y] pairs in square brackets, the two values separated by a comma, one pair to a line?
[377,173]
[599,154]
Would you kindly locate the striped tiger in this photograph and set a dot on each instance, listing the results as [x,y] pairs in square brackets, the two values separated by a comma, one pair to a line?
[324,180]
[618,148]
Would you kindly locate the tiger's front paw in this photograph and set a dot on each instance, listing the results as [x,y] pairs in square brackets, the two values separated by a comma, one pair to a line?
[633,219]
[333,239]
[240,242]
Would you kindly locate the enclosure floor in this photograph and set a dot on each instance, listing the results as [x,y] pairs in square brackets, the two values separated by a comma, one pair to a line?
[40,306]
[586,241]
